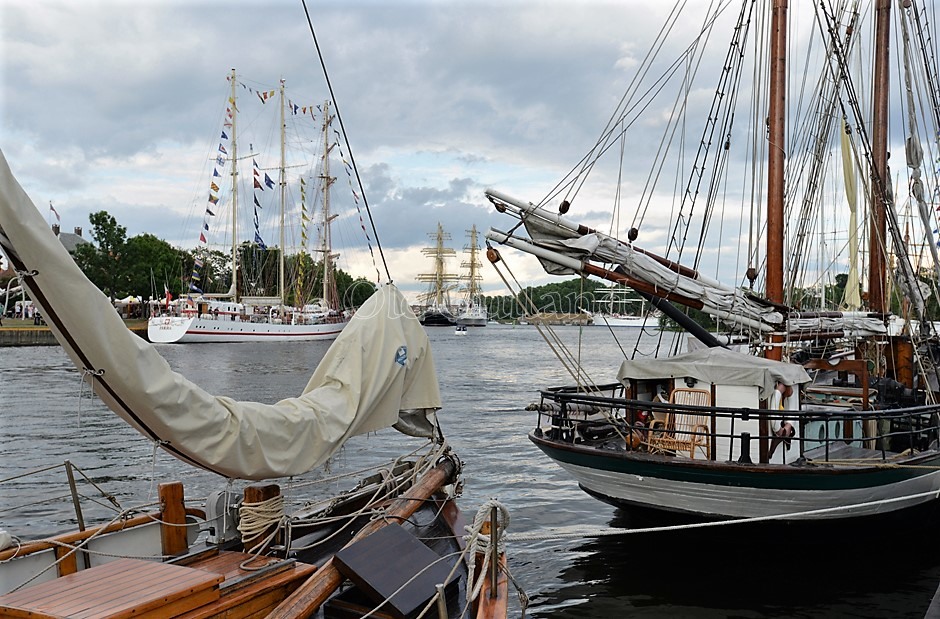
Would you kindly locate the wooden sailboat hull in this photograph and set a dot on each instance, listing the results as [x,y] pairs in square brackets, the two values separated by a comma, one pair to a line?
[173,329]
[731,490]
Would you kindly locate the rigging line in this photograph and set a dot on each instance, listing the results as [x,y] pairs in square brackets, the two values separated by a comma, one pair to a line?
[625,101]
[352,158]
[914,159]
[606,141]
[719,112]
[571,178]
[652,179]
[617,116]
[754,148]
[929,61]
[816,154]
[553,342]
[881,185]
[579,531]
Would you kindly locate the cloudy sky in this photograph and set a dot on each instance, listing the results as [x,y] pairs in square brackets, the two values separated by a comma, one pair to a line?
[115,105]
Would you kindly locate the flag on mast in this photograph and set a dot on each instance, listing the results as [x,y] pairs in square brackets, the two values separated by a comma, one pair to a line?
[55,212]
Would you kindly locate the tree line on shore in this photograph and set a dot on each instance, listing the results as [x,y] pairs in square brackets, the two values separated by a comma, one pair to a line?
[148,267]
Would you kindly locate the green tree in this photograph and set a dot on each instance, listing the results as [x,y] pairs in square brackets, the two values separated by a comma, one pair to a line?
[353,292]
[103,261]
[151,263]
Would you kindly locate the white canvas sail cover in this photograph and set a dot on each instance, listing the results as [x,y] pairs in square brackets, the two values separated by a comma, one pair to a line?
[562,246]
[720,300]
[717,366]
[378,373]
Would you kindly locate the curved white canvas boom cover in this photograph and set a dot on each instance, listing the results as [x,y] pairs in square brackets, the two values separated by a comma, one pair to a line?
[719,366]
[379,367]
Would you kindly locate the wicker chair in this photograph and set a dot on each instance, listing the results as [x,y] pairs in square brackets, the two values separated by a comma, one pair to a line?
[683,431]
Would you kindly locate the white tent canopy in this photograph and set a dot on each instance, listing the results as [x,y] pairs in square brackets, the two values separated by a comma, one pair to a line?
[717,366]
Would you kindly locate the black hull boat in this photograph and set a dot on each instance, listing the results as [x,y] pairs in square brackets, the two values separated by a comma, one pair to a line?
[434,317]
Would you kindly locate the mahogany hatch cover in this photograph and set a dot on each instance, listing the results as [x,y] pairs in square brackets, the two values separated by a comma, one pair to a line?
[118,589]
[383,562]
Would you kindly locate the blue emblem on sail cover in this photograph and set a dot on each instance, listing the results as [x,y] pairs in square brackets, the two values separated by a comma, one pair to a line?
[401,355]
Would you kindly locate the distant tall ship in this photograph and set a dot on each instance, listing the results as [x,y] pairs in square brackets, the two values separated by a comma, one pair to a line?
[437,312]
[472,312]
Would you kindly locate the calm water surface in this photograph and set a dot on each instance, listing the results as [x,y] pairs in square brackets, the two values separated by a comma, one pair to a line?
[486,380]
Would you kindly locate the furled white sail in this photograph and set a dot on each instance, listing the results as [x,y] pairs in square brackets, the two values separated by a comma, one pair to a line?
[853,297]
[378,373]
[563,247]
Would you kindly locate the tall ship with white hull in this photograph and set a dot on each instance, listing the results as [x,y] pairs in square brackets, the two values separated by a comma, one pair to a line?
[472,311]
[231,317]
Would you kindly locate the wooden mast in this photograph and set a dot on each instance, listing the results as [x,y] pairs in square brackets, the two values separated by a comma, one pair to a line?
[234,288]
[776,161]
[877,298]
[330,295]
[283,199]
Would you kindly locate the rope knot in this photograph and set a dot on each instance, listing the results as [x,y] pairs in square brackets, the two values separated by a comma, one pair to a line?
[21,275]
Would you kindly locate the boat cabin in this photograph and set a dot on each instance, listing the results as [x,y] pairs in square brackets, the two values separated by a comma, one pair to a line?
[719,387]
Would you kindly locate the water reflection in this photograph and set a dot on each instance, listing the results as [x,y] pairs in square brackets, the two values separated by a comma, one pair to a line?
[765,570]
[486,380]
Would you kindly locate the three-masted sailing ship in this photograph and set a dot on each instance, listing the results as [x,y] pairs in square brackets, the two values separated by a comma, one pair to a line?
[437,310]
[828,412]
[472,311]
[236,317]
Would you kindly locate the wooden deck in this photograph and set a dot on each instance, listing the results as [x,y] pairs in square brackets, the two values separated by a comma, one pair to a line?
[208,585]
[115,590]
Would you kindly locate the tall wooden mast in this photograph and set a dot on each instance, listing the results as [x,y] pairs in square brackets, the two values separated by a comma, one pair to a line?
[472,264]
[282,186]
[330,295]
[234,173]
[776,160]
[877,298]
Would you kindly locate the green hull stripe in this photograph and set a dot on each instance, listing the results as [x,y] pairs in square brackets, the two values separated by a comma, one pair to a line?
[731,475]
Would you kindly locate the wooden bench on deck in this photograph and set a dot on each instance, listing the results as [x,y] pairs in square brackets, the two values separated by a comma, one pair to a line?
[115,590]
[211,584]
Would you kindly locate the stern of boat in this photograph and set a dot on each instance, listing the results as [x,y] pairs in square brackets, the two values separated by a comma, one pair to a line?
[168,329]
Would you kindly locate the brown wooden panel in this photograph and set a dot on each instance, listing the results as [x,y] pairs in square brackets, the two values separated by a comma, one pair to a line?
[251,597]
[490,605]
[67,563]
[118,589]
[259,493]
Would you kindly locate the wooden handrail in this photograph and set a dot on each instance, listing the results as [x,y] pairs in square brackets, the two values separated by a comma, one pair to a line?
[77,536]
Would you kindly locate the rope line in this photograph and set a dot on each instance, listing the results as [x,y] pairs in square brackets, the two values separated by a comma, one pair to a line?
[575,531]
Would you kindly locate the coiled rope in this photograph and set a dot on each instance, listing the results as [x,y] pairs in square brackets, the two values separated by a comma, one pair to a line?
[481,544]
[256,518]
